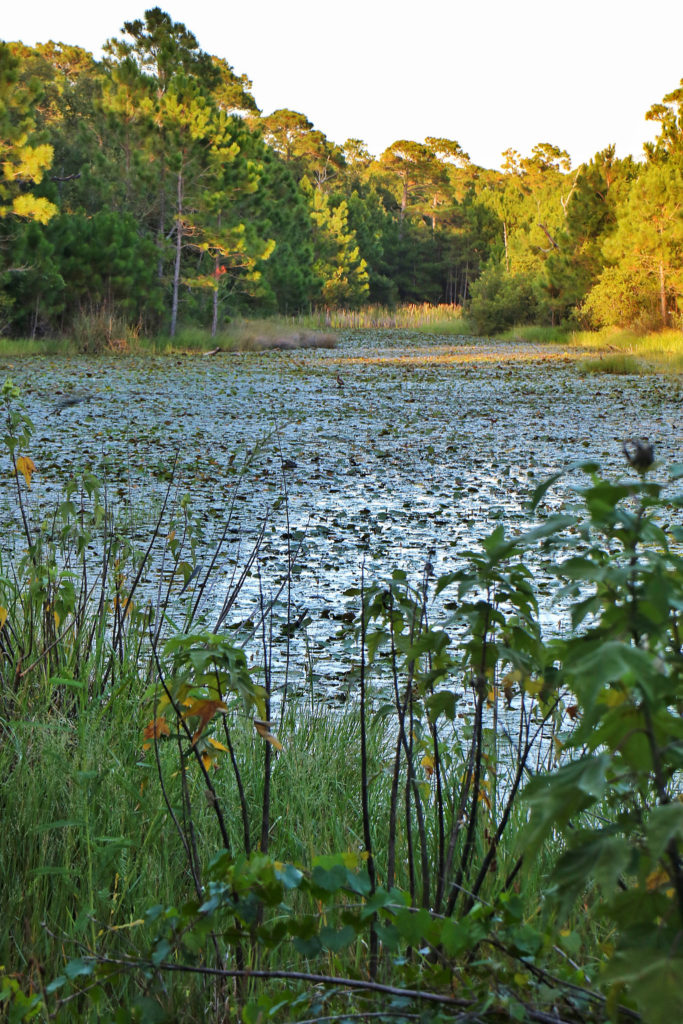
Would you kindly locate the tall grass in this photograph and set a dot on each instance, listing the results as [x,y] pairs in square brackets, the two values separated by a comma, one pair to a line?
[95,336]
[661,350]
[611,350]
[538,334]
[422,317]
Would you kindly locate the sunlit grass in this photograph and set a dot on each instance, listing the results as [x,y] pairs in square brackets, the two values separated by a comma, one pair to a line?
[538,334]
[422,317]
[611,350]
[661,350]
[618,363]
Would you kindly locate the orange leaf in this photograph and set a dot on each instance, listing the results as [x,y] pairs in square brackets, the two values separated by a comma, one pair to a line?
[156,728]
[657,878]
[204,710]
[263,729]
[27,467]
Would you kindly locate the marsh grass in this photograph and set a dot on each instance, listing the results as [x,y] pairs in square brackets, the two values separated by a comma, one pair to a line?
[611,350]
[87,841]
[14,348]
[660,350]
[423,317]
[97,336]
[538,335]
[617,364]
[246,336]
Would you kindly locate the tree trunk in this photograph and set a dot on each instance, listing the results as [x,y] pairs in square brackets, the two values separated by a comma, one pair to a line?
[662,294]
[214,318]
[217,266]
[162,227]
[505,240]
[178,251]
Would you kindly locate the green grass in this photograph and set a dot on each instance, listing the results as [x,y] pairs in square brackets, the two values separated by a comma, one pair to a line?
[617,364]
[239,336]
[660,350]
[13,348]
[611,350]
[537,334]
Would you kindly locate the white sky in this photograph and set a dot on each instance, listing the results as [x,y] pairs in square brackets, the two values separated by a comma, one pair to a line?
[492,74]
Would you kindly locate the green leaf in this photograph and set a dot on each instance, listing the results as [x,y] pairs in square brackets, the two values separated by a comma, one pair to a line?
[335,939]
[442,703]
[290,876]
[663,824]
[79,968]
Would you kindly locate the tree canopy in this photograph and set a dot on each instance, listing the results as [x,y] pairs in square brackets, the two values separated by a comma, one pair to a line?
[231,210]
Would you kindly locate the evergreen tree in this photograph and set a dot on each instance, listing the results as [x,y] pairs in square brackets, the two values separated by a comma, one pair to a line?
[337,262]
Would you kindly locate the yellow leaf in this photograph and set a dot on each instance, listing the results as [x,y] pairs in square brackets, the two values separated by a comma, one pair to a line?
[534,686]
[656,879]
[512,677]
[27,468]
[3,616]
[217,745]
[427,763]
[263,729]
[204,710]
[57,619]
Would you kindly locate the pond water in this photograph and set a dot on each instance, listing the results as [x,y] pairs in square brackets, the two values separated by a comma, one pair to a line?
[391,450]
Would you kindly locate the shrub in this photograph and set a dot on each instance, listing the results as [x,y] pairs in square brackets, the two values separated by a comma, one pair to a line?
[499,301]
[622,297]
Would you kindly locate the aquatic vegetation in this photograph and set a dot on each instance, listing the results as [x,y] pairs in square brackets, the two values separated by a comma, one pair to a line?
[277,546]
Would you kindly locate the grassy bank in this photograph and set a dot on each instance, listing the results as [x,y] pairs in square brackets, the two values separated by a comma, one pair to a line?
[96,334]
[240,336]
[612,350]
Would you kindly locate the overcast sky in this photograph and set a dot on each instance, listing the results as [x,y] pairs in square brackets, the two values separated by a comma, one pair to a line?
[491,74]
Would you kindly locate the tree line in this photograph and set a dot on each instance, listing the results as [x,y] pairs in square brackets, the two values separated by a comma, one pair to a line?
[149,185]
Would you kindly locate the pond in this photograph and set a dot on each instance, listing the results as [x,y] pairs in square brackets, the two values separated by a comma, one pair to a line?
[390,451]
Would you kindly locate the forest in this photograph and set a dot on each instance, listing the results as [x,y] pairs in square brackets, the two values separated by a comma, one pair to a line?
[149,187]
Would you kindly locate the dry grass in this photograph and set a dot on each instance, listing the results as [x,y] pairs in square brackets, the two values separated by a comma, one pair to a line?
[423,317]
[247,336]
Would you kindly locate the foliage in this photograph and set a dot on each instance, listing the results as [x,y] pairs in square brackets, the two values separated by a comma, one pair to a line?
[264,214]
[623,296]
[430,902]
[617,798]
[23,158]
[499,301]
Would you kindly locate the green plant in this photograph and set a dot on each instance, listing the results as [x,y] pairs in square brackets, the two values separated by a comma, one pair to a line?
[187,875]
[617,797]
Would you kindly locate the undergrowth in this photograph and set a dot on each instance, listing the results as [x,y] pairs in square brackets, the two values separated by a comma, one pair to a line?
[490,829]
